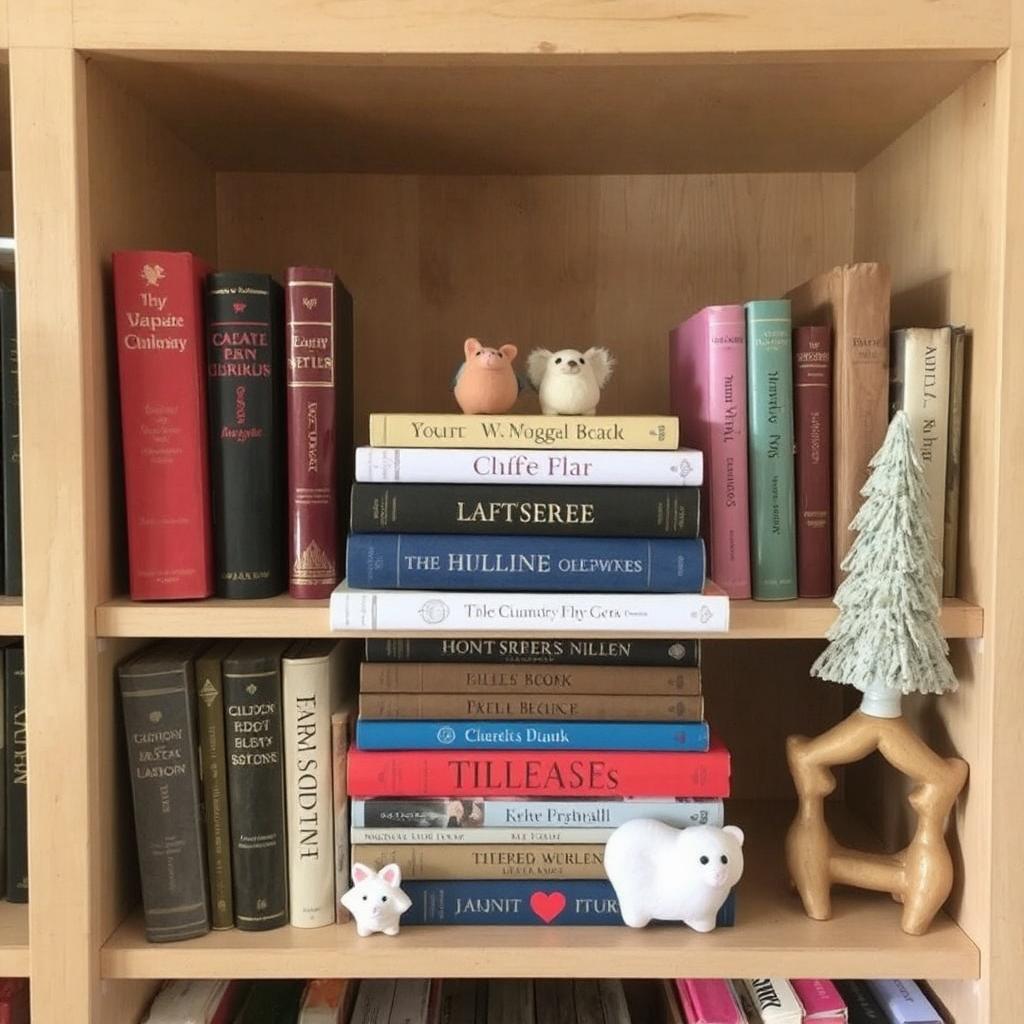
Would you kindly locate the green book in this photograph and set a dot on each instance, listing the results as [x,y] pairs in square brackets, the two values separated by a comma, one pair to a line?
[770,433]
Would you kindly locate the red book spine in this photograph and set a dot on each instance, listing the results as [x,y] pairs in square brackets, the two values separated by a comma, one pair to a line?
[311,303]
[14,1003]
[812,388]
[162,367]
[229,1005]
[537,773]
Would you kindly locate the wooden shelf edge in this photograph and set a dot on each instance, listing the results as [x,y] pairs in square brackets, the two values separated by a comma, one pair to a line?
[806,618]
[14,947]
[773,937]
[12,617]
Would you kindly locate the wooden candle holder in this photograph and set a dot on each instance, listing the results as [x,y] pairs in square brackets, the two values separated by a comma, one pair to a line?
[919,876]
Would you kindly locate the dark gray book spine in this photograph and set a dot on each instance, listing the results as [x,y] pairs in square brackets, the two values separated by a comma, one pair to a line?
[3,774]
[11,442]
[536,511]
[158,698]
[245,396]
[16,757]
[255,749]
[678,653]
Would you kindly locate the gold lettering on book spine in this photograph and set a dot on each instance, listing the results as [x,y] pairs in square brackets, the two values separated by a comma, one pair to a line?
[313,565]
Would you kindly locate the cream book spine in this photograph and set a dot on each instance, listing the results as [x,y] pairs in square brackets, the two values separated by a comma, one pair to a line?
[775,1000]
[604,433]
[311,691]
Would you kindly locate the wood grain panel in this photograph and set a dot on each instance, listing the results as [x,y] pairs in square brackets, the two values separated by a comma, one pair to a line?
[539,26]
[540,261]
[425,115]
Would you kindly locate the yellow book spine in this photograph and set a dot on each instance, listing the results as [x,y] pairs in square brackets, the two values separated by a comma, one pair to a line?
[608,433]
[438,861]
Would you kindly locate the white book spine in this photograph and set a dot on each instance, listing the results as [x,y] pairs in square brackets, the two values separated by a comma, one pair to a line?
[925,399]
[310,691]
[478,836]
[406,611]
[775,1000]
[684,467]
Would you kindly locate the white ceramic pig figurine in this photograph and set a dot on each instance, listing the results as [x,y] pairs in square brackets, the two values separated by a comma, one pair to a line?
[668,874]
[376,901]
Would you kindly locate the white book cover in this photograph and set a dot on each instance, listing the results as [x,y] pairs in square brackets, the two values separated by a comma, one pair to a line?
[775,1000]
[311,691]
[479,836]
[188,1001]
[683,467]
[919,384]
[410,611]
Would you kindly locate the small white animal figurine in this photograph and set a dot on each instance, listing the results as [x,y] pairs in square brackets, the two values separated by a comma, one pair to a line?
[569,382]
[667,874]
[376,901]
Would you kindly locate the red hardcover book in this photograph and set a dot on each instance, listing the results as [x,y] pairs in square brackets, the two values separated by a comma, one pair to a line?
[162,366]
[14,1001]
[319,426]
[574,773]
[812,411]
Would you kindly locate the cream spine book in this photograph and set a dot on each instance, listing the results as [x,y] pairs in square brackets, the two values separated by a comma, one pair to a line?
[412,611]
[775,1000]
[311,691]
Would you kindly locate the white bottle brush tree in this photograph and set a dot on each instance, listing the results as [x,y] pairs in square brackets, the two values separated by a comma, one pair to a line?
[886,640]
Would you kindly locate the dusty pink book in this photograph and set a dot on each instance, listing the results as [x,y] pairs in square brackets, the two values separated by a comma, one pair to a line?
[820,998]
[709,1001]
[708,392]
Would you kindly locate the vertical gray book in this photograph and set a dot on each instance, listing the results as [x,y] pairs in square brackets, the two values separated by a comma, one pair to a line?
[11,446]
[255,754]
[16,773]
[951,531]
[158,699]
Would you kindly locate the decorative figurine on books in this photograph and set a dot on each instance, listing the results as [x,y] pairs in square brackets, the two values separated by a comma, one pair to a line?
[886,642]
[569,382]
[376,901]
[661,873]
[486,381]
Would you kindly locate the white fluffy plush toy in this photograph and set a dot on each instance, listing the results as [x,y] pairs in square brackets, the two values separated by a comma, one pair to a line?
[661,873]
[569,382]
[376,901]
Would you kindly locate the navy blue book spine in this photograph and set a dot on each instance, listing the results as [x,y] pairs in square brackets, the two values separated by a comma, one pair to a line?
[413,734]
[522,902]
[561,564]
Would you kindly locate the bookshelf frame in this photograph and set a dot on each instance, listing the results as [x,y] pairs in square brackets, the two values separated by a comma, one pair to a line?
[93,169]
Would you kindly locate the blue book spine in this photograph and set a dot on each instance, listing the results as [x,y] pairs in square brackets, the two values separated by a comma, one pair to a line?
[562,564]
[522,902]
[413,734]
[770,440]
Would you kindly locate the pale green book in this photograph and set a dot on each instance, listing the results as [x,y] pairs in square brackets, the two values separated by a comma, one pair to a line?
[770,439]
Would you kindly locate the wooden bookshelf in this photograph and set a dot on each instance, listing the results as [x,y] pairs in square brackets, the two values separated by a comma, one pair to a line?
[506,170]
[772,932]
[805,619]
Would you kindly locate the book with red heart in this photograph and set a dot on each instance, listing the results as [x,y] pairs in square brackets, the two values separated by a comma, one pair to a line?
[522,902]
[575,773]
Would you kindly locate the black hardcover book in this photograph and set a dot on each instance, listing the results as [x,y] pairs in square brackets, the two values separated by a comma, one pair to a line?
[537,510]
[255,748]
[16,774]
[861,1005]
[679,653]
[11,441]
[158,699]
[3,769]
[245,395]
[271,1002]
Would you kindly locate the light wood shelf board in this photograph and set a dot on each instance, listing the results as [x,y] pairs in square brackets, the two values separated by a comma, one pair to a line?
[12,617]
[14,949]
[285,616]
[773,938]
[464,116]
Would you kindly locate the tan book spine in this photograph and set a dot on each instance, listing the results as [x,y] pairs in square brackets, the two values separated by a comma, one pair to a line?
[535,680]
[341,727]
[585,708]
[438,862]
[597,433]
[854,301]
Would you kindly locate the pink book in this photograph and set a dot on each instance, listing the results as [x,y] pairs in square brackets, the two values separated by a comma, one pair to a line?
[820,998]
[709,1001]
[708,391]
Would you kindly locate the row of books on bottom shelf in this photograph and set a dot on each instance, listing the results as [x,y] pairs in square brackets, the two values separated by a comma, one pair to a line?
[549,1001]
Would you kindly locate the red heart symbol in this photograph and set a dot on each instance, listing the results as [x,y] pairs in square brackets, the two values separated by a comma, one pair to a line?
[547,905]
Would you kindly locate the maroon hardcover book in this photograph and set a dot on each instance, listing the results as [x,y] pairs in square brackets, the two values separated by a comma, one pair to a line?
[812,380]
[14,1001]
[319,376]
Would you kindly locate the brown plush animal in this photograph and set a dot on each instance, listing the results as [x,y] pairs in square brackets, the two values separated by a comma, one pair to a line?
[486,381]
